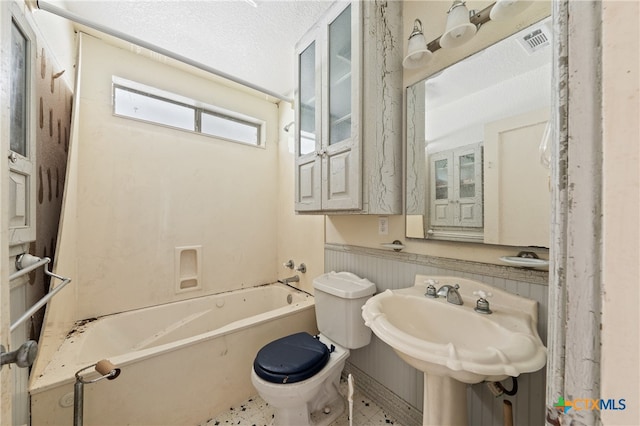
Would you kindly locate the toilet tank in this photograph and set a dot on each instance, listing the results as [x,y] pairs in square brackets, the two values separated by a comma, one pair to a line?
[339,297]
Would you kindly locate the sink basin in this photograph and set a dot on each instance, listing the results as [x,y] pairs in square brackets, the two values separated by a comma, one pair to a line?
[454,342]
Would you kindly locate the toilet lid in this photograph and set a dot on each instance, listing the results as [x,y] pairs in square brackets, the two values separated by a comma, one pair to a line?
[291,359]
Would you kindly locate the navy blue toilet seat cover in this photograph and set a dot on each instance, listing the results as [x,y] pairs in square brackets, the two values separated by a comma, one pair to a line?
[291,359]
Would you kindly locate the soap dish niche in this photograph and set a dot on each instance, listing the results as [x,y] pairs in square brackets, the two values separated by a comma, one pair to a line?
[188,261]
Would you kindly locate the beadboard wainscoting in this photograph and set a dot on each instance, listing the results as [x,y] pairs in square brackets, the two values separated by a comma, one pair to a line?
[396,386]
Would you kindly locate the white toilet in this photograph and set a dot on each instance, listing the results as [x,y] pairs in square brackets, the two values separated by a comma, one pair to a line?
[299,374]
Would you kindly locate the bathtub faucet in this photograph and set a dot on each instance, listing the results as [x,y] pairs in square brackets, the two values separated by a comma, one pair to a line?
[293,279]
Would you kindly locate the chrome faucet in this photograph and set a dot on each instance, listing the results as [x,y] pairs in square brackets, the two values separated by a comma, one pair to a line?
[293,279]
[451,293]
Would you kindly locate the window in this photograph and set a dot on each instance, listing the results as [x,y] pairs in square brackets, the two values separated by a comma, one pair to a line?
[144,103]
[142,106]
[19,90]
[228,128]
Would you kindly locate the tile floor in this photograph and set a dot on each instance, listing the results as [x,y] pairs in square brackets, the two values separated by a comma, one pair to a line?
[256,412]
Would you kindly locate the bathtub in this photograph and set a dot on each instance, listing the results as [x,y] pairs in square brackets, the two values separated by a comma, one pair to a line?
[181,363]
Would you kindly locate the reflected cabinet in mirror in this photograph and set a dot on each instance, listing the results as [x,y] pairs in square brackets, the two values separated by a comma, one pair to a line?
[477,137]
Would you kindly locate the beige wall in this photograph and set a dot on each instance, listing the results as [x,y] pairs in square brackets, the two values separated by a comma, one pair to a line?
[620,366]
[363,230]
[300,237]
[144,190]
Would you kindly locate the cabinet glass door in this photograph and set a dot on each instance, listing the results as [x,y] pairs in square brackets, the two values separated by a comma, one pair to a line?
[442,179]
[340,77]
[307,128]
[467,176]
[468,186]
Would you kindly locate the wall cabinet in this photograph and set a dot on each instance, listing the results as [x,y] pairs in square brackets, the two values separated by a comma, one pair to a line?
[348,111]
[456,187]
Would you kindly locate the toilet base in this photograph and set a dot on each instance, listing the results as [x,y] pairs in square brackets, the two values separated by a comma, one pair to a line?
[337,407]
[313,413]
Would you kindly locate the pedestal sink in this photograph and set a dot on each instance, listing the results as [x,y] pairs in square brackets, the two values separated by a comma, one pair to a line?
[453,344]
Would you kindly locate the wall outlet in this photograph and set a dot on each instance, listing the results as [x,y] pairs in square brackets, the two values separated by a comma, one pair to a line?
[383,225]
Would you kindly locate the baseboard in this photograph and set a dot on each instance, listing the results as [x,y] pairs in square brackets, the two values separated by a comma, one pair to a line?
[392,404]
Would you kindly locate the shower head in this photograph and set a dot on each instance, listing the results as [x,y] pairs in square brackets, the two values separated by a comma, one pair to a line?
[288,126]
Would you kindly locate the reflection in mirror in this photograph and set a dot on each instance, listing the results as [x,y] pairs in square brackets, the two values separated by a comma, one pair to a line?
[476,145]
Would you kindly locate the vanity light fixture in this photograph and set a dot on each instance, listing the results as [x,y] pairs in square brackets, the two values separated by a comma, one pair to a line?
[462,25]
[459,29]
[417,52]
[505,9]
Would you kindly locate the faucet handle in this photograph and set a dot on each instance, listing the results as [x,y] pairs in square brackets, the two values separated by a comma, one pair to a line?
[482,294]
[482,305]
[289,264]
[431,290]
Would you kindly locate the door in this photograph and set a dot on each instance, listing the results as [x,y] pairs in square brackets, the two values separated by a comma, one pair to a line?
[511,179]
[17,136]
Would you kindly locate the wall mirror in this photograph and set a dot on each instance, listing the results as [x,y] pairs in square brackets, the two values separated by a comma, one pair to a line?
[477,167]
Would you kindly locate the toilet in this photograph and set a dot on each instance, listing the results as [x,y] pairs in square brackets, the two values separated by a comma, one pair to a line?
[298,375]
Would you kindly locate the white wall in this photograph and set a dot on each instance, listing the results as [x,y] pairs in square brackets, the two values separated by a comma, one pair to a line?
[58,37]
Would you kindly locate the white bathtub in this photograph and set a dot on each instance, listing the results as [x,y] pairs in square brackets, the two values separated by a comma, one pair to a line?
[182,363]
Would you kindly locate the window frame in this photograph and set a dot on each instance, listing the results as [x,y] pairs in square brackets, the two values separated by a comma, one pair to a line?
[198,109]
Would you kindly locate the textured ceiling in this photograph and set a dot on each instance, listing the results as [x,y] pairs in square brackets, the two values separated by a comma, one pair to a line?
[253,43]
[499,81]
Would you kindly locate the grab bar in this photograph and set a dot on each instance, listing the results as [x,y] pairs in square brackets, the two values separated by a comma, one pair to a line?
[35,262]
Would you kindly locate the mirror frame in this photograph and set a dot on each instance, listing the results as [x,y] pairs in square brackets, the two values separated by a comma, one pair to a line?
[416,224]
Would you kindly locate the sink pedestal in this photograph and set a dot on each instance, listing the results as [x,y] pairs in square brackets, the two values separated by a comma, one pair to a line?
[445,401]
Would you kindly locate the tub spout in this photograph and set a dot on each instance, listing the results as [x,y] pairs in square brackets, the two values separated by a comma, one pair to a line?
[293,279]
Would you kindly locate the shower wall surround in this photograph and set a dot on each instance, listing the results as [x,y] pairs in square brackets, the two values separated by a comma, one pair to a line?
[146,191]
[396,385]
[135,192]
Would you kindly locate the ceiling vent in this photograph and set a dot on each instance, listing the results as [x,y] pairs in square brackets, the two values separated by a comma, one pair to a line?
[535,40]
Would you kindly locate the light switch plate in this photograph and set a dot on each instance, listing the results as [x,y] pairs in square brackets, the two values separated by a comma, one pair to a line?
[383,225]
